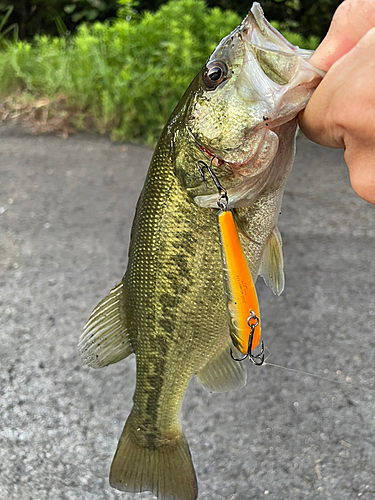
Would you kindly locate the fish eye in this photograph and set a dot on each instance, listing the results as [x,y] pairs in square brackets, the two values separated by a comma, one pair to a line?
[216,72]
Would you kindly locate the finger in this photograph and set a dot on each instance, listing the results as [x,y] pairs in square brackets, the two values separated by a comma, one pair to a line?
[342,107]
[317,120]
[352,19]
[361,165]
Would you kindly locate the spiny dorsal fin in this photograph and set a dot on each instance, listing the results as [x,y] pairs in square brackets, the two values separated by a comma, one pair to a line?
[104,339]
[272,267]
[223,373]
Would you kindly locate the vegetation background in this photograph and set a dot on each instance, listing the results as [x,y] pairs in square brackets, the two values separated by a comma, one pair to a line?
[119,67]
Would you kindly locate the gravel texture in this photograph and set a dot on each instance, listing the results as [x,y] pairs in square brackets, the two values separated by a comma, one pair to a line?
[66,208]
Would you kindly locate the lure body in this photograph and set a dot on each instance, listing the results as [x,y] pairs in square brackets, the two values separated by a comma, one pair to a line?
[241,295]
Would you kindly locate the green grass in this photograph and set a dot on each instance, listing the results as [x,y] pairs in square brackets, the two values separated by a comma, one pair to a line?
[122,78]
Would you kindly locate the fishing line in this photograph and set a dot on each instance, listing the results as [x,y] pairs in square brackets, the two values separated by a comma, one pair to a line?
[321,377]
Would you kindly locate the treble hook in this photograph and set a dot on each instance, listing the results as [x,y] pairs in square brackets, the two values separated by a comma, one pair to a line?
[222,201]
[257,359]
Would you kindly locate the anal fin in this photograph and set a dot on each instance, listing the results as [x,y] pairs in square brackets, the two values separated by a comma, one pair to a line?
[272,267]
[105,339]
[223,373]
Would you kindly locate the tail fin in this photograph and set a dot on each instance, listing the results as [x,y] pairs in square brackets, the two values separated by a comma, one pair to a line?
[167,471]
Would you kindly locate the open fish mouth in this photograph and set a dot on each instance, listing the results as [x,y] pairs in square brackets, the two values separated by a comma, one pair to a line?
[273,67]
[278,58]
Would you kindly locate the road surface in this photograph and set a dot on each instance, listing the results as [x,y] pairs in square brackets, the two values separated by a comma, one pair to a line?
[66,208]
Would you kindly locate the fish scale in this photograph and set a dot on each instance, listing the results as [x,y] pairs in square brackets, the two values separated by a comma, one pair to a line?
[171,308]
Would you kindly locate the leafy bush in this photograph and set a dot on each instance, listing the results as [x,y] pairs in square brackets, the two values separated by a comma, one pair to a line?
[53,17]
[122,78]
[307,17]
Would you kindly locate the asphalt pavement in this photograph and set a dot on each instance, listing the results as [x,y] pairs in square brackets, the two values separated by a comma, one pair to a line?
[306,431]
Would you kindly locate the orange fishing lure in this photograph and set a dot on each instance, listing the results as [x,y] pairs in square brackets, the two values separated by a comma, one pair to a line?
[242,299]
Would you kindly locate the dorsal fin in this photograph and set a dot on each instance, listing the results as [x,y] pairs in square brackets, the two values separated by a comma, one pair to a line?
[105,338]
[272,267]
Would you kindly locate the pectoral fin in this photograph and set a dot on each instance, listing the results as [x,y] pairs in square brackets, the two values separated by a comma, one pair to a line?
[223,373]
[272,267]
[105,339]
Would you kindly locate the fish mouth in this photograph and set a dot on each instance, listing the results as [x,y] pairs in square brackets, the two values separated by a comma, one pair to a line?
[274,70]
[277,57]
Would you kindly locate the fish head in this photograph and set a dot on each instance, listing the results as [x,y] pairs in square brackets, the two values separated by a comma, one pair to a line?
[253,83]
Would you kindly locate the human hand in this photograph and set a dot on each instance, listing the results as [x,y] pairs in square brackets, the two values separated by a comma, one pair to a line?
[351,21]
[341,112]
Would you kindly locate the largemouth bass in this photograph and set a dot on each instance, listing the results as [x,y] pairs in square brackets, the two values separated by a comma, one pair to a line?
[170,307]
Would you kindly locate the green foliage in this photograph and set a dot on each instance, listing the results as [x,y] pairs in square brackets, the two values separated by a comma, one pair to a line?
[122,78]
[49,16]
[87,10]
[128,9]
[310,43]
[5,28]
[307,17]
